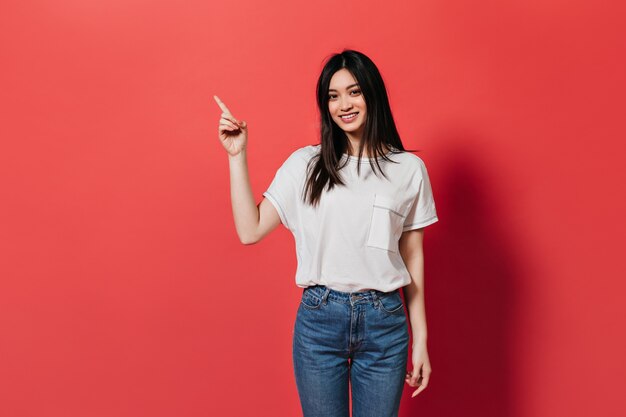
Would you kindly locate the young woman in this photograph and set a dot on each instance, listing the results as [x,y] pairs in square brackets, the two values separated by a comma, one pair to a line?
[357,204]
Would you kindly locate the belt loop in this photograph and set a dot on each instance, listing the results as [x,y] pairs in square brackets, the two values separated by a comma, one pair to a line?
[374,297]
[325,296]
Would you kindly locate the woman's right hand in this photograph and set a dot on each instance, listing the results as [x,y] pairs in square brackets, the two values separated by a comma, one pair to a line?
[232,133]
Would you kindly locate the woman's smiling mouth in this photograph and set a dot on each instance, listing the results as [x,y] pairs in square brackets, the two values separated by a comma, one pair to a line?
[349,117]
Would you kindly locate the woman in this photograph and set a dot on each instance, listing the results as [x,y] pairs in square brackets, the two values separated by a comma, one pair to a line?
[357,204]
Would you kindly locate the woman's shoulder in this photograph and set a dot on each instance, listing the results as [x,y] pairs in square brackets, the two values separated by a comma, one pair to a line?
[310,150]
[408,158]
[305,152]
[409,165]
[300,157]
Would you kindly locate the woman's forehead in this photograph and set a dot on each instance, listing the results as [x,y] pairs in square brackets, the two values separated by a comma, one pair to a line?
[341,80]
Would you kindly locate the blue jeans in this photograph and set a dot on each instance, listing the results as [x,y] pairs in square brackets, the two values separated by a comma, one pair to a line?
[359,339]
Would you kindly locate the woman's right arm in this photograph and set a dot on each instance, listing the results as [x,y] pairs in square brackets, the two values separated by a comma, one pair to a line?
[252,222]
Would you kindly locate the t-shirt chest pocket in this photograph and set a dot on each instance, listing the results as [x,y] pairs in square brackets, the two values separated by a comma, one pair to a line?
[386,224]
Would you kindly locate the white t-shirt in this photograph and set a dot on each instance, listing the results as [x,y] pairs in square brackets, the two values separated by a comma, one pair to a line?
[350,241]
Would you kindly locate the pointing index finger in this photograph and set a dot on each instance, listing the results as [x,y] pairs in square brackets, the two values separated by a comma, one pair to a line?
[222,105]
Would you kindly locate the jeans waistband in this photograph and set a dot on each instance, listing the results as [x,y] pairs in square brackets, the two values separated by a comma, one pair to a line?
[323,292]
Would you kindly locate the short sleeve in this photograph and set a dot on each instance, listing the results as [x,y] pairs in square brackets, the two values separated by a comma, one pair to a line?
[284,192]
[423,211]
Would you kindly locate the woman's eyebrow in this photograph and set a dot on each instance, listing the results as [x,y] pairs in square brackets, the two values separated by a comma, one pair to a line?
[350,86]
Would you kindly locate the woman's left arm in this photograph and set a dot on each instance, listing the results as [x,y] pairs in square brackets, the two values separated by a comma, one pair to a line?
[411,250]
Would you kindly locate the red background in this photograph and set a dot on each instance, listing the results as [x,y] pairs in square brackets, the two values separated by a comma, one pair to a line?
[125,291]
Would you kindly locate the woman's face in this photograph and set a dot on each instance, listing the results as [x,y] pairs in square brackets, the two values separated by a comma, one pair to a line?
[345,98]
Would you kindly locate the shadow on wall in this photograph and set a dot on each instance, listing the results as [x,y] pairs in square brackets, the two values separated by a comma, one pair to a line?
[472,284]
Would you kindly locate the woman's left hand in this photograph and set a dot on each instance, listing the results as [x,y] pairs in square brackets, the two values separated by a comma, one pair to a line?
[420,374]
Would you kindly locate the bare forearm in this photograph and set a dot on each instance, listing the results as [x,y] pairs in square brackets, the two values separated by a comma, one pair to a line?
[245,210]
[414,296]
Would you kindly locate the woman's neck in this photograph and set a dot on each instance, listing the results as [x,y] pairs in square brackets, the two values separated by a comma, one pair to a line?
[354,147]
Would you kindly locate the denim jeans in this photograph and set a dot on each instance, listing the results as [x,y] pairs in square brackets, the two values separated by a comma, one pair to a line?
[357,339]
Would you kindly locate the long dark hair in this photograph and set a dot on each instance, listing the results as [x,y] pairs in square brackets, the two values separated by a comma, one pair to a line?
[379,129]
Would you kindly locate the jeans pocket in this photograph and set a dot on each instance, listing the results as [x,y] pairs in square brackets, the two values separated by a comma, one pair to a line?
[391,304]
[310,301]
[386,223]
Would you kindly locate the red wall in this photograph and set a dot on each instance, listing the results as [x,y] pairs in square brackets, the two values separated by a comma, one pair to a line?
[124,290]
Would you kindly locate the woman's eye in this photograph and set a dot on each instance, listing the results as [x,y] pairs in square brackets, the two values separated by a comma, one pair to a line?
[333,96]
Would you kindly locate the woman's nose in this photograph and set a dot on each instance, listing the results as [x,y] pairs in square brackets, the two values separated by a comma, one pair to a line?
[345,104]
